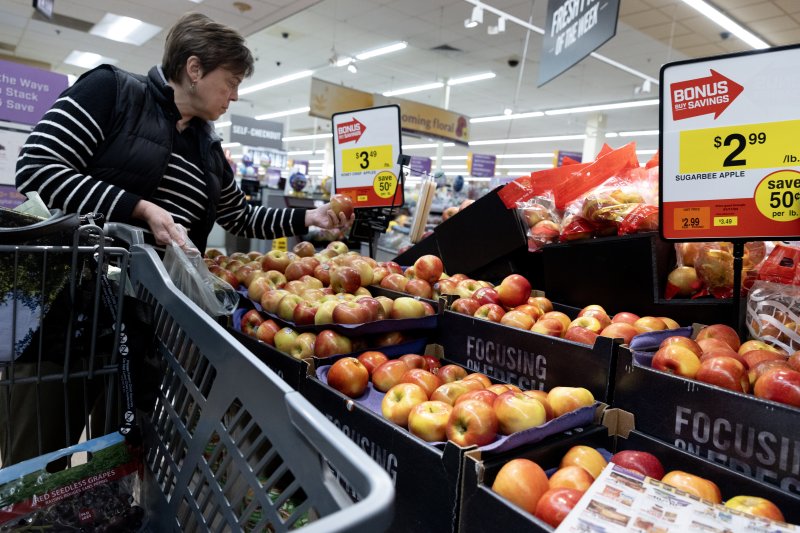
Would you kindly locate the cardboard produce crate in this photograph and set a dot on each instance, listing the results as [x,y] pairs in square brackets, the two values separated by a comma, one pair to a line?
[526,359]
[758,438]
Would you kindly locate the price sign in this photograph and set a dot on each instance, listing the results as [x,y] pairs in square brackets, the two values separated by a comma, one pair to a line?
[730,160]
[366,149]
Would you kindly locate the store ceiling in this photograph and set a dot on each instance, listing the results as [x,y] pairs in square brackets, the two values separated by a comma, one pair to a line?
[288,36]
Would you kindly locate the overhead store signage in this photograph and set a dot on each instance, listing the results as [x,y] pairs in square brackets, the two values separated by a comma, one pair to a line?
[481,165]
[415,118]
[26,93]
[366,146]
[575,29]
[261,133]
[419,166]
[730,162]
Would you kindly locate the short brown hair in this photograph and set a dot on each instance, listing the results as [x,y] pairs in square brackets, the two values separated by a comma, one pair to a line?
[216,45]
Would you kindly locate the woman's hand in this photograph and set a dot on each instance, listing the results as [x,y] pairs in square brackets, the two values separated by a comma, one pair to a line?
[324,217]
[160,222]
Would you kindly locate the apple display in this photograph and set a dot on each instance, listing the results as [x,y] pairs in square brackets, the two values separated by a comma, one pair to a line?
[413,360]
[465,306]
[581,334]
[450,373]
[266,331]
[349,376]
[387,375]
[620,330]
[428,268]
[756,506]
[548,326]
[571,477]
[589,322]
[643,462]
[303,346]
[450,392]
[284,339]
[428,420]
[555,504]
[405,307]
[345,279]
[561,317]
[566,399]
[351,313]
[517,412]
[250,322]
[331,343]
[585,457]
[487,295]
[372,359]
[516,319]
[676,359]
[522,482]
[400,400]
[472,423]
[427,380]
[484,395]
[649,323]
[304,312]
[419,287]
[779,385]
[514,290]
[692,484]
[722,332]
[275,260]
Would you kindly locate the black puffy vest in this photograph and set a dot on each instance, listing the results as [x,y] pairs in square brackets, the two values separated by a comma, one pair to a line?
[135,153]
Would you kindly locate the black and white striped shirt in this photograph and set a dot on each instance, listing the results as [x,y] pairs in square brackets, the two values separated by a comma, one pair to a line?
[55,157]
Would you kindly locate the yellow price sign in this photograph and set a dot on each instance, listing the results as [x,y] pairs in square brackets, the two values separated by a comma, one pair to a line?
[281,243]
[375,158]
[385,184]
[734,148]
[726,221]
[778,196]
[691,218]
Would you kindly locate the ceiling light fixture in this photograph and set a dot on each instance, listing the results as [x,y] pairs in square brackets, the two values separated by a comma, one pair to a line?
[388,49]
[306,137]
[641,133]
[500,28]
[475,18]
[415,89]
[286,113]
[430,145]
[87,59]
[342,61]
[511,116]
[352,68]
[577,137]
[524,166]
[470,79]
[230,145]
[727,23]
[601,107]
[524,156]
[276,81]
[125,29]
[223,124]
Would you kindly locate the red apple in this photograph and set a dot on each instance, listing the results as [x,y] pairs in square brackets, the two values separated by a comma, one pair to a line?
[516,319]
[756,506]
[345,279]
[649,323]
[364,270]
[419,287]
[304,249]
[597,312]
[534,311]
[542,397]
[275,260]
[620,330]
[713,344]
[428,420]
[643,462]
[446,286]
[676,359]
[490,312]
[351,313]
[405,307]
[626,317]
[486,295]
[542,302]
[571,477]
[545,231]
[250,322]
[561,317]
[522,482]
[349,376]
[483,379]
[373,305]
[372,360]
[794,361]
[472,423]
[517,412]
[331,343]
[427,380]
[413,360]
[323,273]
[754,344]
[304,313]
[581,334]
[400,400]
[450,373]
[585,457]
[388,374]
[296,287]
[392,267]
[341,203]
[465,306]
[695,485]
[484,395]
[514,290]
[753,357]
[722,332]
[225,275]
[548,326]
[432,363]
[266,331]
[428,268]
[296,270]
[779,385]
[450,392]
[555,504]
[762,368]
[683,341]
[392,338]
[567,399]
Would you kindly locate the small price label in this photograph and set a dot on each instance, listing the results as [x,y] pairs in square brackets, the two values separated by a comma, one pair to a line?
[778,196]
[691,218]
[726,221]
[748,146]
[281,243]
[385,184]
[375,158]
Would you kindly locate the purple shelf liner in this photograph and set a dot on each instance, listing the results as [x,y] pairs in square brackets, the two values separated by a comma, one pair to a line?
[644,345]
[372,398]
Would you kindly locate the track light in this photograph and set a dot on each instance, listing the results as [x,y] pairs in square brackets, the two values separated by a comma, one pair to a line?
[475,19]
[352,68]
[500,28]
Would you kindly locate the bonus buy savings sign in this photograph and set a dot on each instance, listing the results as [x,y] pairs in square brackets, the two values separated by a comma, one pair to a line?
[730,146]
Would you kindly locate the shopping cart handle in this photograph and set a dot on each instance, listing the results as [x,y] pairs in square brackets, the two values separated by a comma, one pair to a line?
[130,235]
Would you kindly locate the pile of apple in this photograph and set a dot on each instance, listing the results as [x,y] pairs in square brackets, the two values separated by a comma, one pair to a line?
[447,403]
[716,356]
[511,304]
[524,483]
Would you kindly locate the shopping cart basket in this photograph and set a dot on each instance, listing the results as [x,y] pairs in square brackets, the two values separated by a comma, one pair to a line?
[58,361]
[229,446]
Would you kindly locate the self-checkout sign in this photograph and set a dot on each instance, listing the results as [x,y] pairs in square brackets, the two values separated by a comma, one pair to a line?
[368,158]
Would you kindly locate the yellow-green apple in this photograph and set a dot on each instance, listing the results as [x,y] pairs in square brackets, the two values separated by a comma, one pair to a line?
[428,420]
[255,273]
[465,306]
[427,380]
[351,313]
[483,379]
[323,273]
[649,323]
[345,279]
[314,295]
[378,273]
[561,317]
[388,374]
[542,397]
[432,363]
[450,373]
[467,287]
[585,457]
[472,423]
[287,305]
[722,332]
[676,359]
[756,506]
[753,357]
[683,281]
[405,307]
[364,270]
[400,400]
[394,282]
[311,282]
[542,302]
[522,482]
[581,334]
[620,330]
[671,324]
[348,376]
[429,268]
[387,304]
[590,322]
[331,343]
[566,399]
[266,331]
[534,311]
[571,477]
[284,339]
[625,316]
[304,249]
[303,346]
[514,290]
[725,372]
[275,260]
[755,344]
[449,392]
[555,504]
[549,326]
[692,484]
[338,246]
[596,311]
[643,462]
[779,385]
[271,299]
[372,359]
[304,312]
[324,314]
[486,295]
[517,319]
[413,360]
[419,287]
[484,395]
[296,287]
[517,412]
[362,291]
[250,322]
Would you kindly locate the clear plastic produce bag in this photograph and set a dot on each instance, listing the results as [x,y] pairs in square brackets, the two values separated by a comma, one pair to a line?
[773,314]
[190,274]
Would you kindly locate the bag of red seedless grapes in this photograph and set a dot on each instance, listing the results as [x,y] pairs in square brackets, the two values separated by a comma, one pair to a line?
[93,497]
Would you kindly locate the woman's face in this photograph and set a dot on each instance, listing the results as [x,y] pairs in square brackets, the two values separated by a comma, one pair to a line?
[214,92]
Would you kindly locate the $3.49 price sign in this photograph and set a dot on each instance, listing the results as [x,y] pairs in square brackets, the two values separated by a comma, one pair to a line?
[367,158]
